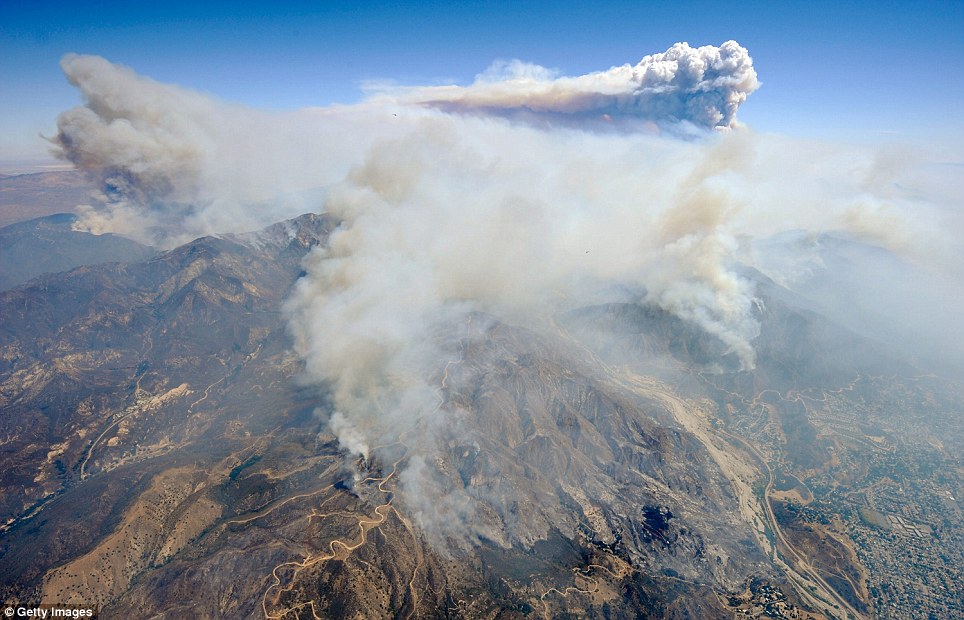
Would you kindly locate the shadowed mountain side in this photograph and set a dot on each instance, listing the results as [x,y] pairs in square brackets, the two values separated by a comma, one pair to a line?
[796,348]
[48,245]
[909,306]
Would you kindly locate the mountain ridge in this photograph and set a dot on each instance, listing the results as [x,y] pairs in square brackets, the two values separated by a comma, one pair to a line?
[610,461]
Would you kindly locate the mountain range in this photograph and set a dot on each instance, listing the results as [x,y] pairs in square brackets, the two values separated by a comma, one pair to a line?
[161,453]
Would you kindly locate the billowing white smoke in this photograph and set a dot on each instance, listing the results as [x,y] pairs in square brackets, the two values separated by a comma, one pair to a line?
[445,213]
[175,164]
[470,214]
[703,86]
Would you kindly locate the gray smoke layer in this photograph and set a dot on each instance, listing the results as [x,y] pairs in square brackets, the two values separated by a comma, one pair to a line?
[704,86]
[446,214]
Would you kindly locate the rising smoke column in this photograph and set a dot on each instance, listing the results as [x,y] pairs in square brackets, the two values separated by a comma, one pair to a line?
[483,216]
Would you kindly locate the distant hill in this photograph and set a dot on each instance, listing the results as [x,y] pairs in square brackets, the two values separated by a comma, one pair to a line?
[28,196]
[49,245]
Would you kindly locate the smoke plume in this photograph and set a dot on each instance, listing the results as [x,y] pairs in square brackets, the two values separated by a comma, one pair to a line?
[174,164]
[446,214]
[704,86]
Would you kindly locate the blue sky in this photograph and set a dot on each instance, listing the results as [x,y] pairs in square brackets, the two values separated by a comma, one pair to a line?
[865,71]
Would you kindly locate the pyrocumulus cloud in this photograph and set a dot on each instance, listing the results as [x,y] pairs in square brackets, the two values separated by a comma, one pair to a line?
[704,86]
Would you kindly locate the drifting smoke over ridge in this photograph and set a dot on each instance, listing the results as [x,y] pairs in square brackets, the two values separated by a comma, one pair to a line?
[446,213]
